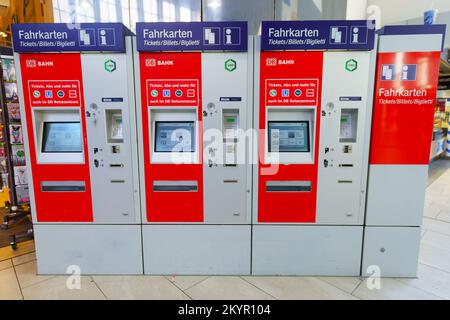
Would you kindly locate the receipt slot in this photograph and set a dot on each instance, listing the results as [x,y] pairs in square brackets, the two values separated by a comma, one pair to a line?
[193,110]
[313,102]
[79,129]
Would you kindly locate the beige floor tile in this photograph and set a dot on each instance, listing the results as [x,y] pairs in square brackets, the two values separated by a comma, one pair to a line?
[138,287]
[226,288]
[392,289]
[348,284]
[9,287]
[434,257]
[431,211]
[26,273]
[56,289]
[185,282]
[24,258]
[444,216]
[435,225]
[437,239]
[422,232]
[22,248]
[436,188]
[435,197]
[298,288]
[5,264]
[431,280]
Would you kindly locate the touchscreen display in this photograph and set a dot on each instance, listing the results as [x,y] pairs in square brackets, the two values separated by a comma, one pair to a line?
[174,136]
[61,137]
[288,136]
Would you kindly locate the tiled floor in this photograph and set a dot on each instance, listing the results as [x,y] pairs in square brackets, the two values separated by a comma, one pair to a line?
[18,279]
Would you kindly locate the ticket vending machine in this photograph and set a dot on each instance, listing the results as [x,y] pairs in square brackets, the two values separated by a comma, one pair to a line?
[405,97]
[77,99]
[313,106]
[194,106]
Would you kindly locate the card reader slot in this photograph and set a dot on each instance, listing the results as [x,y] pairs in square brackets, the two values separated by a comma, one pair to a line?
[63,186]
[175,186]
[116,165]
[117,181]
[230,181]
[345,181]
[346,165]
[288,186]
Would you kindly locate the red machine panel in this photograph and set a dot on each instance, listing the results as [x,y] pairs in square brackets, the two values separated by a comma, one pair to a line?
[181,74]
[404,105]
[294,71]
[60,74]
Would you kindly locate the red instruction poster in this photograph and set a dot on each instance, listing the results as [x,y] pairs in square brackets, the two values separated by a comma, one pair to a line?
[176,92]
[54,93]
[298,92]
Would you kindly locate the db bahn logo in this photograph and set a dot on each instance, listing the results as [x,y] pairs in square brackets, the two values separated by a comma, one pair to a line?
[110,65]
[150,62]
[271,61]
[31,63]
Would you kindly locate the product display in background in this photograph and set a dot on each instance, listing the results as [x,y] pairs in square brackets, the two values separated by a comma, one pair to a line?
[13,110]
[12,153]
[440,128]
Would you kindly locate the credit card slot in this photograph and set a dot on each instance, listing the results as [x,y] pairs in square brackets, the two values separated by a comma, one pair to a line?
[175,186]
[230,181]
[63,186]
[117,181]
[345,181]
[346,165]
[116,165]
[288,186]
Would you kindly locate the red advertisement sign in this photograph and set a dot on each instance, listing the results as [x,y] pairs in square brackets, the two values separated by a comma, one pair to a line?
[174,92]
[298,92]
[55,93]
[405,96]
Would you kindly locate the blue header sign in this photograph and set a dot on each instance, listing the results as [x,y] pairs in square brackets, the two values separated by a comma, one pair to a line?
[51,37]
[191,36]
[318,35]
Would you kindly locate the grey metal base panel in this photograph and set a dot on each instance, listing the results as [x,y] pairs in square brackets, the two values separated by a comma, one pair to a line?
[307,250]
[95,249]
[197,249]
[394,251]
[396,195]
